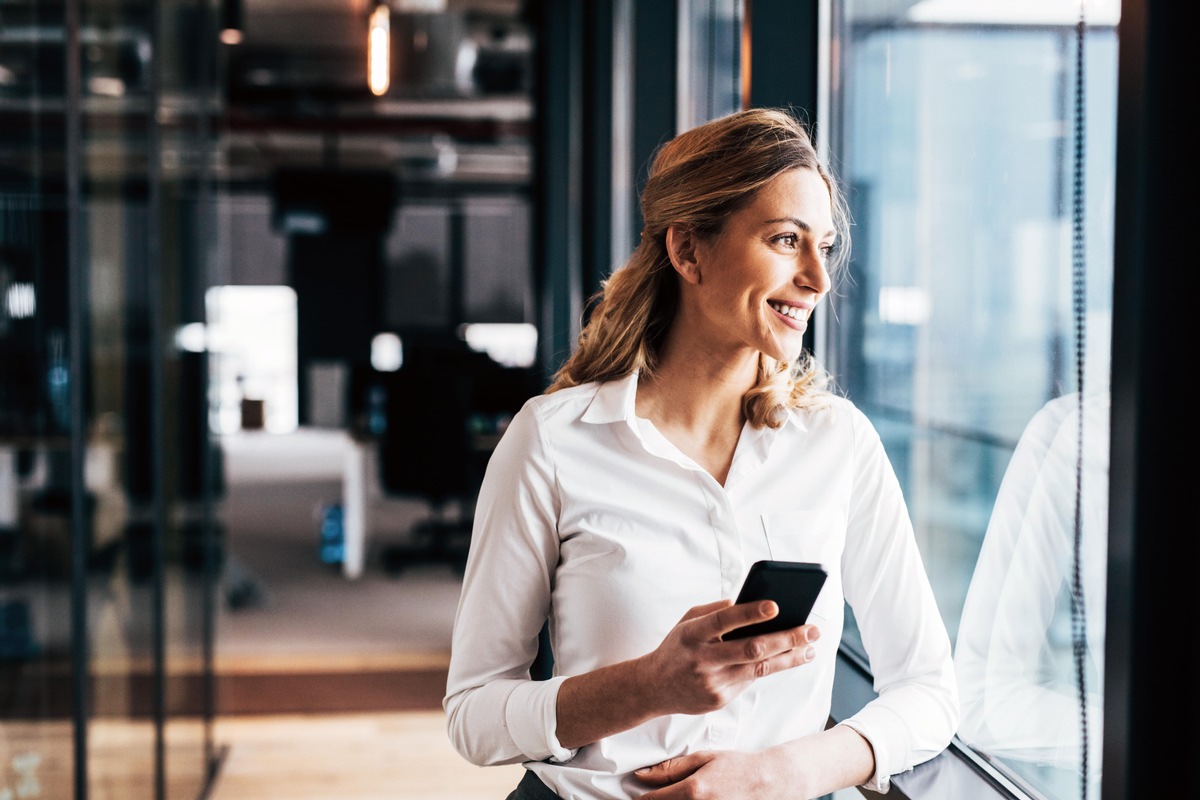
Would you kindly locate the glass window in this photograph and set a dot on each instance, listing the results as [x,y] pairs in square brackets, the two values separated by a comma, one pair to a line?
[954,127]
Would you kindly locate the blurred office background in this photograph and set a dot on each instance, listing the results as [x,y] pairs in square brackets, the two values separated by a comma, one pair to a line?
[275,274]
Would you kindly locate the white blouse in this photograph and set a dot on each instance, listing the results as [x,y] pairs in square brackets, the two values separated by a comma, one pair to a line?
[590,518]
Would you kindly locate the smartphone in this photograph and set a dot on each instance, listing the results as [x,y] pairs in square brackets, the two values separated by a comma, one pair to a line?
[793,585]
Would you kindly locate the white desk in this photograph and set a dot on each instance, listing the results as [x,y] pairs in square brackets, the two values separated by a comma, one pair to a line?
[358,475]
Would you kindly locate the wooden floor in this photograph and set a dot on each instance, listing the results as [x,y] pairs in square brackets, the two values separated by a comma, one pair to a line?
[376,756]
[343,728]
[331,689]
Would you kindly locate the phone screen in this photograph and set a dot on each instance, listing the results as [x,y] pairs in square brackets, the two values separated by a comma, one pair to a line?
[793,585]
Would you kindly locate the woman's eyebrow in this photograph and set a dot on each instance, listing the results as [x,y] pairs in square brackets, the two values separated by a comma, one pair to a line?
[799,223]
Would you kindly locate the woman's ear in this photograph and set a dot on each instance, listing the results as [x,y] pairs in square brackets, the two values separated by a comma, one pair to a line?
[681,248]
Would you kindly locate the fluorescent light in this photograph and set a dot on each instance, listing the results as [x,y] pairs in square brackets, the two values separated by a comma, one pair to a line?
[379,60]
[192,337]
[1015,12]
[510,345]
[387,352]
[421,6]
[106,86]
[20,301]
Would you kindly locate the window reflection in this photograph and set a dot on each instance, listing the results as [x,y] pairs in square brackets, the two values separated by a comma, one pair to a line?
[954,125]
[1014,653]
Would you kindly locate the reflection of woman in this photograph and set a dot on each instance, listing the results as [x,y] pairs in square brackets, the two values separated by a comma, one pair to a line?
[1013,656]
[686,438]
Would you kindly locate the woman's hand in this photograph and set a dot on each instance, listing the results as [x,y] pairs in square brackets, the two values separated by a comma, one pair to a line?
[694,670]
[717,775]
[812,766]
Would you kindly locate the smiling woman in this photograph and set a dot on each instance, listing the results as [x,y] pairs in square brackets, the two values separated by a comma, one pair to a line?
[625,506]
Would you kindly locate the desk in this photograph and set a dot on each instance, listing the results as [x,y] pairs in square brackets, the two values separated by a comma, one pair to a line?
[317,456]
[358,473]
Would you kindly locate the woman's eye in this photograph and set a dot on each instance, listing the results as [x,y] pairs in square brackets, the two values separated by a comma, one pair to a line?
[788,239]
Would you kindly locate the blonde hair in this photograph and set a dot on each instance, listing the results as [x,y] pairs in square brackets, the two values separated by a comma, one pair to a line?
[698,179]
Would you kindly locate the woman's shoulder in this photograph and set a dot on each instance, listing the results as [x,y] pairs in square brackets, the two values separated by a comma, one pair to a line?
[562,405]
[829,409]
[837,416]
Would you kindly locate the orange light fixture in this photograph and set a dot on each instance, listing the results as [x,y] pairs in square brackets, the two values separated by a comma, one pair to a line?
[379,60]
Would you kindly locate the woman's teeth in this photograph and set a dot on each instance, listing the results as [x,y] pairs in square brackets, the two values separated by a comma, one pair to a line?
[789,311]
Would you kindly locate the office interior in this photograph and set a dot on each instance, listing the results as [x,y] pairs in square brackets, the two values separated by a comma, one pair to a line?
[275,274]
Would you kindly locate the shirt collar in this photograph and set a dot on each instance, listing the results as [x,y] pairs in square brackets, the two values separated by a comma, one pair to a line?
[614,401]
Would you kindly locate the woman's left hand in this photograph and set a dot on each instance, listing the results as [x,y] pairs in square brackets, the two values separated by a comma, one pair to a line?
[714,775]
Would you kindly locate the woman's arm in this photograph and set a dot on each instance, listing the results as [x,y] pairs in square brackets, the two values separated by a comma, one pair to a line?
[495,713]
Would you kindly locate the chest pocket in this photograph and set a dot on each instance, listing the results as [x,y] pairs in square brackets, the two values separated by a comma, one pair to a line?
[805,534]
[816,535]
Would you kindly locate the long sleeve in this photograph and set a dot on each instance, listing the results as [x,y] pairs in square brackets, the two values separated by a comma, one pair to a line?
[495,713]
[916,712]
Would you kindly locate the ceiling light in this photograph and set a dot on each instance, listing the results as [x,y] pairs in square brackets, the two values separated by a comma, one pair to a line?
[231,22]
[379,34]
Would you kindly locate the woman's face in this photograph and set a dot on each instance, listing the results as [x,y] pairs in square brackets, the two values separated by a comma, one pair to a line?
[762,275]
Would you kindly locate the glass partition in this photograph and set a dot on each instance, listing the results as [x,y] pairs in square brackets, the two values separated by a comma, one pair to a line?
[980,165]
[106,542]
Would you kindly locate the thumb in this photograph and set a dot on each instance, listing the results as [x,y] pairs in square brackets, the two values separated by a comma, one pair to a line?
[672,770]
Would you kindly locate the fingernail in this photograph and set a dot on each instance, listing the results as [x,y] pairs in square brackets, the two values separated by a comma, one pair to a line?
[769,607]
[813,634]
[809,653]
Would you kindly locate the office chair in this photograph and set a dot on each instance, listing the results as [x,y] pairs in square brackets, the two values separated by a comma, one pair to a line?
[444,410]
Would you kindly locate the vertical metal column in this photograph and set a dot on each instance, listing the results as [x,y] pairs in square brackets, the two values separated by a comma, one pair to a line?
[76,305]
[783,55]
[207,228]
[1152,643]
[155,318]
[656,64]
[558,262]
[608,175]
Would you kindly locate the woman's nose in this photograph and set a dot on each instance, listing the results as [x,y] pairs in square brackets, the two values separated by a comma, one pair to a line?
[811,273]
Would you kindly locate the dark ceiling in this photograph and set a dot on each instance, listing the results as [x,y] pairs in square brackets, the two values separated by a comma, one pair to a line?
[458,106]
[292,93]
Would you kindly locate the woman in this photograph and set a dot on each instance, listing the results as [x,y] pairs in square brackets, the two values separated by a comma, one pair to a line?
[687,437]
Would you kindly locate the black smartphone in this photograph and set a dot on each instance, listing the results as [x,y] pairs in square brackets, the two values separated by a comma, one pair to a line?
[793,585]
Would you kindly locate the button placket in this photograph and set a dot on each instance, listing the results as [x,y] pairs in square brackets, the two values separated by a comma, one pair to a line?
[728,540]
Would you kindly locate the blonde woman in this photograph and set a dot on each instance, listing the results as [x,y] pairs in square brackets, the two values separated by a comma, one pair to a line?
[687,437]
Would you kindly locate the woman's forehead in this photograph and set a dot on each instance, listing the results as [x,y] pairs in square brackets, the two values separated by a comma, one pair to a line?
[800,196]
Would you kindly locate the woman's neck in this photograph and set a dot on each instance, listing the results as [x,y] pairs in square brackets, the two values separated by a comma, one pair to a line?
[694,398]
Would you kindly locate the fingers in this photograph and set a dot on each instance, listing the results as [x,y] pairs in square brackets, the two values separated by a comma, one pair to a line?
[708,629]
[672,770]
[695,612]
[797,641]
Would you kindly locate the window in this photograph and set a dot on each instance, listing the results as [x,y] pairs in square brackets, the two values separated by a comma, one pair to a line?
[953,126]
[252,340]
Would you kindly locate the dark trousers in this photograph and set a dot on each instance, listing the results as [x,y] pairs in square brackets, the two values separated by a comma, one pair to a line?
[530,788]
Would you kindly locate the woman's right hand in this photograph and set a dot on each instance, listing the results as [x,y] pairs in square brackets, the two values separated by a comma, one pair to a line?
[694,670]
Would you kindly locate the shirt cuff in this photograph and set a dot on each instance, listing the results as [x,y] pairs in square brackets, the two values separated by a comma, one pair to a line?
[531,715]
[881,781]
